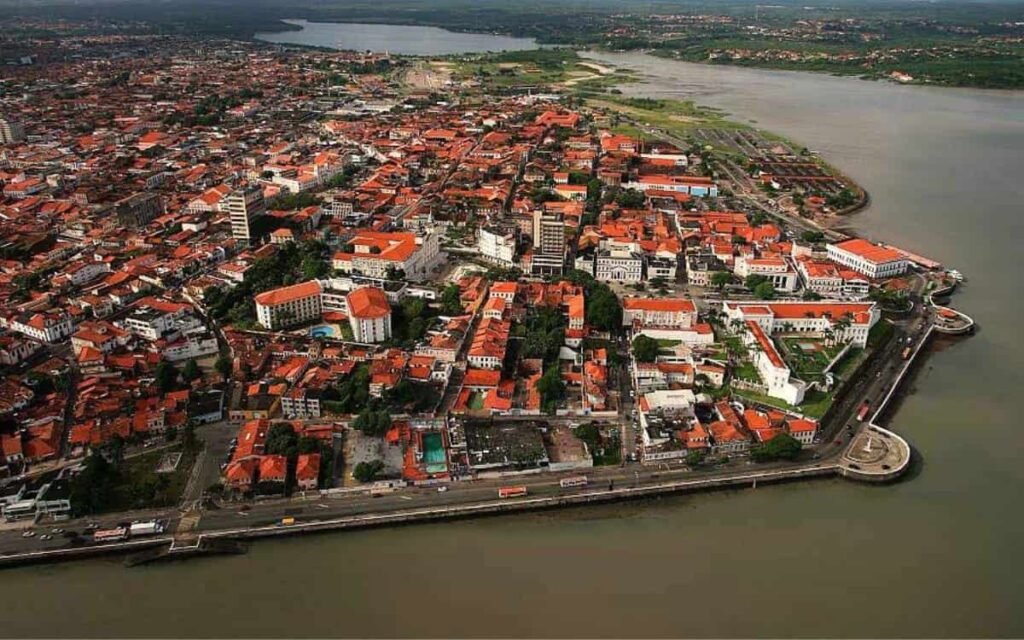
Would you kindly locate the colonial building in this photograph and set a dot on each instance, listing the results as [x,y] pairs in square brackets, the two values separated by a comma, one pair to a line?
[871,260]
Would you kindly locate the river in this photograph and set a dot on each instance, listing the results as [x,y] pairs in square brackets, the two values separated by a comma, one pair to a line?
[936,555]
[397,39]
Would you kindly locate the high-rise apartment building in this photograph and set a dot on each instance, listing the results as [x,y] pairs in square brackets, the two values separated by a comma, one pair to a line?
[549,243]
[11,131]
[243,206]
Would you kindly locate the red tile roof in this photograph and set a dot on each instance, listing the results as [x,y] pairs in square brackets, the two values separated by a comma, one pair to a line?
[368,303]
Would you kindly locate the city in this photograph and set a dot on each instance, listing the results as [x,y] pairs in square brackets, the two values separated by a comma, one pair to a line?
[252,291]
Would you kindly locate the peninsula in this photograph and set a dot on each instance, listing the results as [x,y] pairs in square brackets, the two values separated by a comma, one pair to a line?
[253,290]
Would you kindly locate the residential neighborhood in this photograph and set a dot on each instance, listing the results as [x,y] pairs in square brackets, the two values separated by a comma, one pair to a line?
[239,274]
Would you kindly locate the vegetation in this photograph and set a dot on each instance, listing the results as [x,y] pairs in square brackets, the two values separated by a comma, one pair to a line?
[352,395]
[781,447]
[603,309]
[292,263]
[367,471]
[545,335]
[372,423]
[110,482]
[721,279]
[604,450]
[451,302]
[645,349]
[551,388]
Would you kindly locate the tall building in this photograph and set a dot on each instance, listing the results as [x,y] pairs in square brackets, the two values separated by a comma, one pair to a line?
[243,206]
[549,243]
[369,315]
[498,244]
[11,131]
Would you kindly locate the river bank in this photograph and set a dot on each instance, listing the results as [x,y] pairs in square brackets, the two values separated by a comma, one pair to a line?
[937,556]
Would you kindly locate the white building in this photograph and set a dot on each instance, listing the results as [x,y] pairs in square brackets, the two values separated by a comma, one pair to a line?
[50,326]
[771,367]
[848,321]
[11,132]
[289,306]
[369,314]
[871,260]
[775,270]
[498,246]
[243,206]
[661,312]
[375,253]
[618,264]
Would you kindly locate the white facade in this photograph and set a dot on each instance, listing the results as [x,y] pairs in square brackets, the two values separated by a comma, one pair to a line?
[243,206]
[863,257]
[497,246]
[49,327]
[775,270]
[289,306]
[618,265]
[810,317]
[664,312]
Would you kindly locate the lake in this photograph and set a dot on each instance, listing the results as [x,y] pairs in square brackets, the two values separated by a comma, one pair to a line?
[936,555]
[397,39]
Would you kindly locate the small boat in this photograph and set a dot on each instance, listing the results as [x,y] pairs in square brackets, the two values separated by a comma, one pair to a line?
[956,275]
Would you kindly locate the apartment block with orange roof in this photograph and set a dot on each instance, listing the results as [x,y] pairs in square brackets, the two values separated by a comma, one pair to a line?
[290,305]
[369,315]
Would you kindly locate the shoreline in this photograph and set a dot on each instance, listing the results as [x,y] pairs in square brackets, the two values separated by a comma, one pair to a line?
[476,509]
[539,44]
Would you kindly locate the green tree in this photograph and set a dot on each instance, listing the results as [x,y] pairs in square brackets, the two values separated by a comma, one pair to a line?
[781,447]
[224,366]
[551,388]
[764,291]
[166,376]
[603,309]
[367,471]
[753,280]
[695,457]
[630,199]
[812,237]
[281,440]
[720,279]
[191,371]
[645,349]
[313,267]
[451,300]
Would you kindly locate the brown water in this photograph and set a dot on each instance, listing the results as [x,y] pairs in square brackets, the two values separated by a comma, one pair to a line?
[937,555]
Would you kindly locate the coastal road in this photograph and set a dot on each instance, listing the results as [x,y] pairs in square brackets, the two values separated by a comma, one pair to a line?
[317,508]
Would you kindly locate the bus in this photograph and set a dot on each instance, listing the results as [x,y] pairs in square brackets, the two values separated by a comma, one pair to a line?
[863,412]
[512,492]
[148,528]
[575,481]
[110,535]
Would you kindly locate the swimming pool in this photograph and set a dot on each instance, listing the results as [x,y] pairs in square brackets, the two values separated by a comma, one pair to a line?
[433,453]
[323,331]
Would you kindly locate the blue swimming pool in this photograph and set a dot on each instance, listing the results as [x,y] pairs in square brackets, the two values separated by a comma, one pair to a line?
[323,331]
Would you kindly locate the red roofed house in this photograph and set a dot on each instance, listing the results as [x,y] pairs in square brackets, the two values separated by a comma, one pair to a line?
[239,474]
[307,471]
[664,312]
[273,472]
